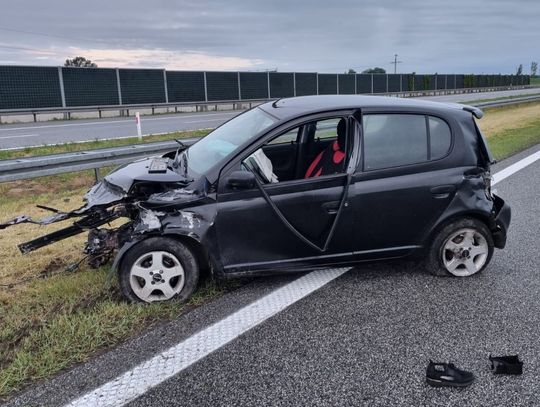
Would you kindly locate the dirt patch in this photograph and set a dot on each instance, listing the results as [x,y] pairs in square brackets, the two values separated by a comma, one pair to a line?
[54,265]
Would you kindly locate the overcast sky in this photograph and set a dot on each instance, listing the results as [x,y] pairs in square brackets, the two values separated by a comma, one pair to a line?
[467,36]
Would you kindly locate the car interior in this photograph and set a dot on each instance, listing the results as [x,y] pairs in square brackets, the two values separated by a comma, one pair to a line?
[313,149]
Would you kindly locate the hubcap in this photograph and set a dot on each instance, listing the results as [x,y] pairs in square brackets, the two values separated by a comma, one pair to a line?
[465,252]
[156,276]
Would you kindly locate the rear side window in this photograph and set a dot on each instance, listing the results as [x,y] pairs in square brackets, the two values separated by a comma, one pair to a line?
[392,140]
[440,137]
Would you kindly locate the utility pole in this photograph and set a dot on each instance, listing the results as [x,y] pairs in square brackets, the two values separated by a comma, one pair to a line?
[395,62]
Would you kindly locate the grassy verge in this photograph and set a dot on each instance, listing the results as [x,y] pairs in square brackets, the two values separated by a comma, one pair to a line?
[60,318]
[53,319]
[511,129]
[472,102]
[535,80]
[90,145]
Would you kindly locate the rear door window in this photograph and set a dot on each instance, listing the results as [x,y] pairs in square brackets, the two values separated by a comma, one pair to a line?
[392,140]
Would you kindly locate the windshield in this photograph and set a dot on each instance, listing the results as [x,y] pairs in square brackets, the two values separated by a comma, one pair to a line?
[225,140]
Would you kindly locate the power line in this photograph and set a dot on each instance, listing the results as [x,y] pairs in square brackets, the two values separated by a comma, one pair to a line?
[28,49]
[57,36]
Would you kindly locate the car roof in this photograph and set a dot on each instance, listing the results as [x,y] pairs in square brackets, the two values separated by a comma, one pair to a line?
[298,106]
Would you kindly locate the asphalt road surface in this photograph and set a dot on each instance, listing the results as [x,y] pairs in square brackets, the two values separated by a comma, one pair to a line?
[54,132]
[362,339]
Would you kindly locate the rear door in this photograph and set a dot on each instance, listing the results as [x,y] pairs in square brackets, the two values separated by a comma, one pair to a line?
[402,185]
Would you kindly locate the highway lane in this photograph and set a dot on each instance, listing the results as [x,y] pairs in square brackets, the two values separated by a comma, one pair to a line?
[55,132]
[363,339]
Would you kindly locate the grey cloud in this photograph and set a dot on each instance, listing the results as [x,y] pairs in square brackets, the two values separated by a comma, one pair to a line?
[435,36]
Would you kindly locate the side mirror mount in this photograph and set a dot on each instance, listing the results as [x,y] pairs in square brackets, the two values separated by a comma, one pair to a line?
[241,180]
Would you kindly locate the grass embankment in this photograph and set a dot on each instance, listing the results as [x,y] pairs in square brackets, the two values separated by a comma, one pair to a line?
[535,80]
[511,129]
[53,318]
[62,318]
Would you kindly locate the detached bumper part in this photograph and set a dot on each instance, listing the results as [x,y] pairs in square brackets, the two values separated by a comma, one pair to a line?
[506,364]
[503,214]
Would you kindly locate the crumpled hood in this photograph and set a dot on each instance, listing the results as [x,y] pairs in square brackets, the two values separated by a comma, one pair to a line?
[139,170]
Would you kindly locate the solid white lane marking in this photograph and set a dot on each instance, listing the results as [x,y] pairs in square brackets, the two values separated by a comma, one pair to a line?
[20,135]
[178,117]
[512,169]
[163,366]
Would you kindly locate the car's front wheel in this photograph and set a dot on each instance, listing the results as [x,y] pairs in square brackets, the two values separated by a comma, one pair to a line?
[158,269]
[462,248]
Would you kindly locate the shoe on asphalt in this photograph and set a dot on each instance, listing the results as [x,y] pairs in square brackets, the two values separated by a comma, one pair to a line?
[506,364]
[447,375]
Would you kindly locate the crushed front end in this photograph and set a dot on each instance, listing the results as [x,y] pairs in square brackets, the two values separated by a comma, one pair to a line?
[143,193]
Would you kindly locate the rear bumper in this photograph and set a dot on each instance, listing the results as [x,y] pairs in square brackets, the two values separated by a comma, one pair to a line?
[503,215]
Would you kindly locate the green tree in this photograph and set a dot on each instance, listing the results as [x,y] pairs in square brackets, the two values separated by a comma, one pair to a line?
[80,62]
[519,69]
[374,70]
[351,71]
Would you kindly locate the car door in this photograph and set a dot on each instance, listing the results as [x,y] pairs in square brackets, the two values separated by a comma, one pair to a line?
[403,184]
[252,236]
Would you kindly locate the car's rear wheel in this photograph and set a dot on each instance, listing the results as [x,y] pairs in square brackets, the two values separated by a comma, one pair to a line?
[462,248]
[158,269]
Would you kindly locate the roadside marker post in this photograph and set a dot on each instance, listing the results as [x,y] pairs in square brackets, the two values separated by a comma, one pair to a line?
[138,122]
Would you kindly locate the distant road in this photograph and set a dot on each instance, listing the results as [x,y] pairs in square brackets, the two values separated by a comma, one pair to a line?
[54,132]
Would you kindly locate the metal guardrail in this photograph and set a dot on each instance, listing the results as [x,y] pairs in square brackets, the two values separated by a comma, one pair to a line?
[33,167]
[124,109]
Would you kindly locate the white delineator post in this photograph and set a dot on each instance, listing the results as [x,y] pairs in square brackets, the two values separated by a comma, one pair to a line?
[138,122]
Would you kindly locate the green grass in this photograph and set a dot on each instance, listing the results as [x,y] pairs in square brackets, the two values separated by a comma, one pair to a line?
[511,141]
[535,80]
[65,319]
[90,145]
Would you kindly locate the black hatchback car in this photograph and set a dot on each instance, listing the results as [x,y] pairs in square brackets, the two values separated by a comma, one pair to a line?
[299,184]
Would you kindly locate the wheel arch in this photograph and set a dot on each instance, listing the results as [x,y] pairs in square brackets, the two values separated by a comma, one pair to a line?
[442,223]
[195,246]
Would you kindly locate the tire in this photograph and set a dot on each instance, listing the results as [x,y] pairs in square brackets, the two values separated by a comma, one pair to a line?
[462,248]
[175,275]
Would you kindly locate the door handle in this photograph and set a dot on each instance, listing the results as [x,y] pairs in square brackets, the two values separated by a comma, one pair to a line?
[442,191]
[331,207]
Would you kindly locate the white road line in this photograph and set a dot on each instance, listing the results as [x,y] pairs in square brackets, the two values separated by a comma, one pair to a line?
[96,139]
[154,371]
[143,119]
[167,364]
[20,135]
[512,169]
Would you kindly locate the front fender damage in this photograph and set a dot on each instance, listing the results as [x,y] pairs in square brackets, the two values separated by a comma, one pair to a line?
[148,208]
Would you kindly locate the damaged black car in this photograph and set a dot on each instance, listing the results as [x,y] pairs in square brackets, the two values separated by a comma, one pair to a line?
[293,185]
